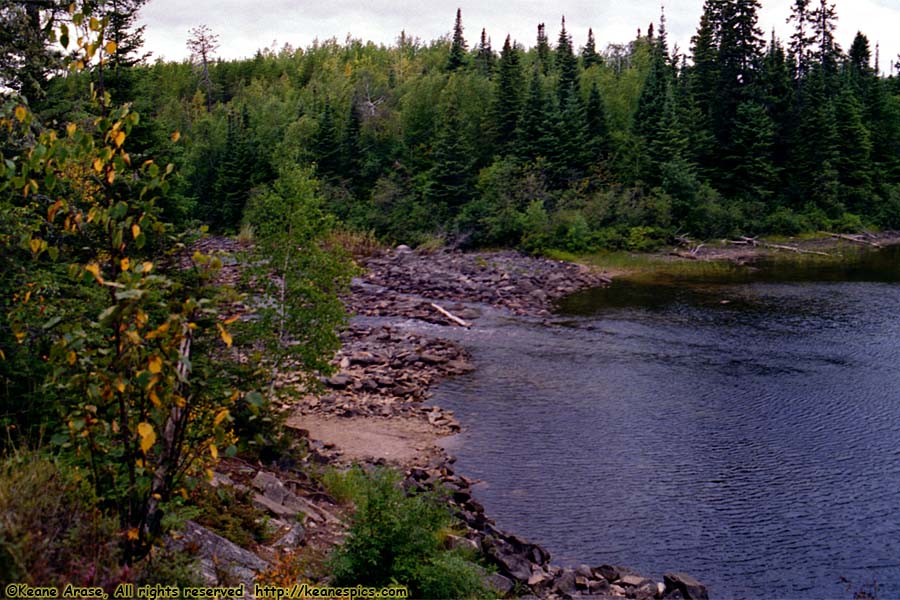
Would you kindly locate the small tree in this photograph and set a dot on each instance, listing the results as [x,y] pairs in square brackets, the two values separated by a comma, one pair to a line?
[203,44]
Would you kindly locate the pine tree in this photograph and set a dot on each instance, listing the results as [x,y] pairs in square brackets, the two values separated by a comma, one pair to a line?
[543,49]
[484,58]
[507,107]
[567,66]
[704,74]
[27,54]
[589,56]
[457,57]
[234,176]
[740,51]
[860,57]
[350,151]
[776,93]
[651,103]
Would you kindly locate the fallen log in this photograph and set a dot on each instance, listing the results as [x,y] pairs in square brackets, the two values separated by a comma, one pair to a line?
[792,249]
[853,238]
[451,316]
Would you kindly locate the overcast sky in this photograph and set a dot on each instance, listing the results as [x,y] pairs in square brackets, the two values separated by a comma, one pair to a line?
[244,26]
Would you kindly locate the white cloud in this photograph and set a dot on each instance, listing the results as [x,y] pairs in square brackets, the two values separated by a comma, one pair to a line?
[243,27]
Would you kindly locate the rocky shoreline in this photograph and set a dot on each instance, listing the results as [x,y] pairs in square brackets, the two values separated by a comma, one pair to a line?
[385,373]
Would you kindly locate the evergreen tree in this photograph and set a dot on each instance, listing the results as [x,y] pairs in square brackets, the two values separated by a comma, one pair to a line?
[853,159]
[803,37]
[534,135]
[651,103]
[740,50]
[484,58]
[776,93]
[350,151]
[326,145]
[543,49]
[457,57]
[589,56]
[860,58]
[598,142]
[27,54]
[824,19]
[569,155]
[751,174]
[508,93]
[234,176]
[704,75]
[567,67]
[449,181]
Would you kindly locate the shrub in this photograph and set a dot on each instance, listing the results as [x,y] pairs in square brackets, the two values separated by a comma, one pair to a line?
[399,539]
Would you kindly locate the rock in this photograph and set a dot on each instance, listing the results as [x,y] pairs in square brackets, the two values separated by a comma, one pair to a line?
[455,542]
[538,578]
[500,584]
[565,583]
[513,565]
[689,587]
[292,537]
[613,573]
[270,486]
[339,381]
[584,571]
[596,586]
[403,249]
[634,581]
[218,555]
[276,508]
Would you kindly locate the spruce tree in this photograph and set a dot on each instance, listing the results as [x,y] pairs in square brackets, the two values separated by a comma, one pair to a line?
[803,38]
[597,127]
[740,51]
[457,57]
[484,58]
[326,145]
[824,20]
[508,97]
[751,174]
[860,57]
[589,56]
[449,181]
[543,49]
[567,66]
[853,159]
[534,135]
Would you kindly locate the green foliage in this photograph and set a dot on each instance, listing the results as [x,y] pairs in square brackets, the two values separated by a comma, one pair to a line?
[295,277]
[231,514]
[398,539]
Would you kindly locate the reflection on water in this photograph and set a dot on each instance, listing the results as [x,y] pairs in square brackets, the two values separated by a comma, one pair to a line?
[745,430]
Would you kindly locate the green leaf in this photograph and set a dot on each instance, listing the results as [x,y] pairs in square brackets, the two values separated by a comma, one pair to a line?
[254,399]
[52,323]
[132,294]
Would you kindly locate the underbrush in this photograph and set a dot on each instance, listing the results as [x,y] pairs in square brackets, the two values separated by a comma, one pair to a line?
[395,539]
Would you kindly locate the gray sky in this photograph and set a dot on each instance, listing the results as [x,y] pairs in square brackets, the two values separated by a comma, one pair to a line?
[245,26]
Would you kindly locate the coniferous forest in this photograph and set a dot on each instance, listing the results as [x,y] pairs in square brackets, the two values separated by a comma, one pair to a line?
[573,144]
[118,341]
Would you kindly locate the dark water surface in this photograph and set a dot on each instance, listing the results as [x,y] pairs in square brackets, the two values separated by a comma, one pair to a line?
[743,428]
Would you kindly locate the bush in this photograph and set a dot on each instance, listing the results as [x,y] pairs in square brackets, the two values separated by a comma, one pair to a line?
[51,531]
[399,539]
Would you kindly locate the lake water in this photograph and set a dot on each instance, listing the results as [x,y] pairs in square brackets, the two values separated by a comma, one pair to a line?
[743,427]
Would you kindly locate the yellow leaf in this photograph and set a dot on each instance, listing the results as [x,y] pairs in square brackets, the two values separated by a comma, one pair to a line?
[154,399]
[135,230]
[148,436]
[210,475]
[120,138]
[94,269]
[147,266]
[155,365]
[214,452]
[71,128]
[35,245]
[21,113]
[231,320]
[134,337]
[133,533]
[125,263]
[71,357]
[176,136]
[120,385]
[180,402]
[110,47]
[20,335]
[98,165]
[51,212]
[226,337]
[2,356]
[221,416]
[111,176]
[27,297]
